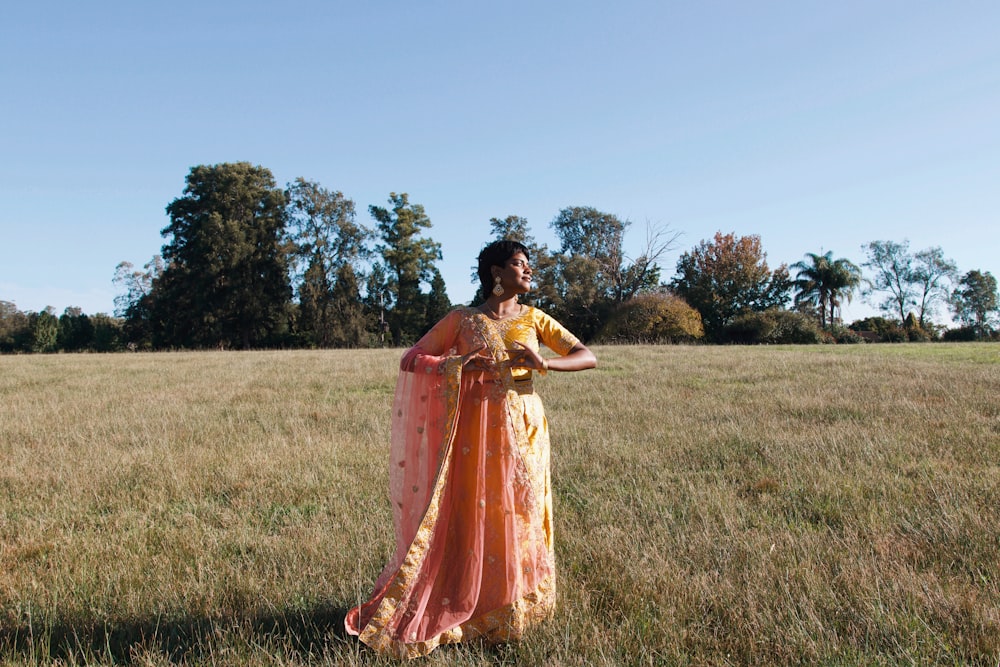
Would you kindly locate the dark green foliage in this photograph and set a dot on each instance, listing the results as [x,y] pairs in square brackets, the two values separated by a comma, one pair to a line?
[438,303]
[408,261]
[14,328]
[377,302]
[825,282]
[44,328]
[887,331]
[961,334]
[326,240]
[108,334]
[73,331]
[976,302]
[581,306]
[842,335]
[590,276]
[226,281]
[76,331]
[879,325]
[773,327]
[351,320]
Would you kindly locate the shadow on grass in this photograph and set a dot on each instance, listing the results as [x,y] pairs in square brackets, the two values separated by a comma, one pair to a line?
[305,633]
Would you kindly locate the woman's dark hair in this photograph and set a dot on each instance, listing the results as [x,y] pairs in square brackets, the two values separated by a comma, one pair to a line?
[495,254]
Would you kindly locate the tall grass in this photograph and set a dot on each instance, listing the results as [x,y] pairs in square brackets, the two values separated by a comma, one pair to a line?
[833,505]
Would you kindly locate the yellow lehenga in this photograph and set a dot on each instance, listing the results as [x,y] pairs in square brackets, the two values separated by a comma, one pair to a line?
[470,490]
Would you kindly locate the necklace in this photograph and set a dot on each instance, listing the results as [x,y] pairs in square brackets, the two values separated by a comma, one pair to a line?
[485,308]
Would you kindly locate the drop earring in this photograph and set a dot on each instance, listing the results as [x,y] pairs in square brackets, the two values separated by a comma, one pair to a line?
[497,287]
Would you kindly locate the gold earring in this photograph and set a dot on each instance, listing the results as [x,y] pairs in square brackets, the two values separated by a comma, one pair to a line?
[497,287]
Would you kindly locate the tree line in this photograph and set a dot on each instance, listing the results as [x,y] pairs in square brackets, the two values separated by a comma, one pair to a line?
[248,264]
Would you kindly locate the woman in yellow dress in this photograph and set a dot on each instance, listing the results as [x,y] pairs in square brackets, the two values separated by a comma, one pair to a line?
[469,473]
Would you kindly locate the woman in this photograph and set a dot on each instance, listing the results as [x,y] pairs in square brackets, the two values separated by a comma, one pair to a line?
[469,473]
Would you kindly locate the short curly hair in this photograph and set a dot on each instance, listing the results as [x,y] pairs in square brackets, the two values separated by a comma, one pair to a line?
[495,254]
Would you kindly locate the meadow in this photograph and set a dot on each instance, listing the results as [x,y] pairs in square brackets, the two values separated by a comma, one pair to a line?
[834,505]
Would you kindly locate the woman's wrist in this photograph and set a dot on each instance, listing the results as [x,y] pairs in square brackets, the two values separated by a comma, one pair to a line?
[545,367]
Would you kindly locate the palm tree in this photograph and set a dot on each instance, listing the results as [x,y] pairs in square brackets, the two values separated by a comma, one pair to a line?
[825,282]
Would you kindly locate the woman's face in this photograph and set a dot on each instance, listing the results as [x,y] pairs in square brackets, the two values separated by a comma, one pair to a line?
[515,274]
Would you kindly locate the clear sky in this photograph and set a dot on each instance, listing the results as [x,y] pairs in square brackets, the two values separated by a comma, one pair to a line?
[816,125]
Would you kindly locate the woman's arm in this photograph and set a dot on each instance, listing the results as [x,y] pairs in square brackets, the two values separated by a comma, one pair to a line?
[579,358]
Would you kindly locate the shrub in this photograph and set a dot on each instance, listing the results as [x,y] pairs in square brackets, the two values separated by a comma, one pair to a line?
[961,334]
[844,336]
[914,332]
[888,331]
[655,317]
[773,327]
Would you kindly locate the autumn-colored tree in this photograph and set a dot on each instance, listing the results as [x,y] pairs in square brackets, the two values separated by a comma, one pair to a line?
[728,276]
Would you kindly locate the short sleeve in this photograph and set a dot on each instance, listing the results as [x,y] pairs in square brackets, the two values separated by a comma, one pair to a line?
[553,335]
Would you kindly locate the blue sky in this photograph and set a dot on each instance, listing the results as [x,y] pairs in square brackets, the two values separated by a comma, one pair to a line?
[816,125]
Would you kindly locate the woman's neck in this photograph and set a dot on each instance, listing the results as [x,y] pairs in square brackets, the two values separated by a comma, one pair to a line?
[499,308]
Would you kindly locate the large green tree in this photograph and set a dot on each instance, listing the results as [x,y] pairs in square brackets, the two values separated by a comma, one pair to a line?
[352,320]
[409,260]
[825,282]
[76,331]
[592,275]
[976,303]
[327,246]
[44,326]
[729,276]
[225,281]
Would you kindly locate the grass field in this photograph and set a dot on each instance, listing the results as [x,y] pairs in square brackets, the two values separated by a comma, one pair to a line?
[714,505]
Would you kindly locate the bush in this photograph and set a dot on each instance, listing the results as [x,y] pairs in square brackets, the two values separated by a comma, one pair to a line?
[914,332]
[844,336]
[773,327]
[656,317]
[961,334]
[888,331]
[918,335]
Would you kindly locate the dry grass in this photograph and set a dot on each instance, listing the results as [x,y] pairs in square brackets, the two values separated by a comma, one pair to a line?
[833,505]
